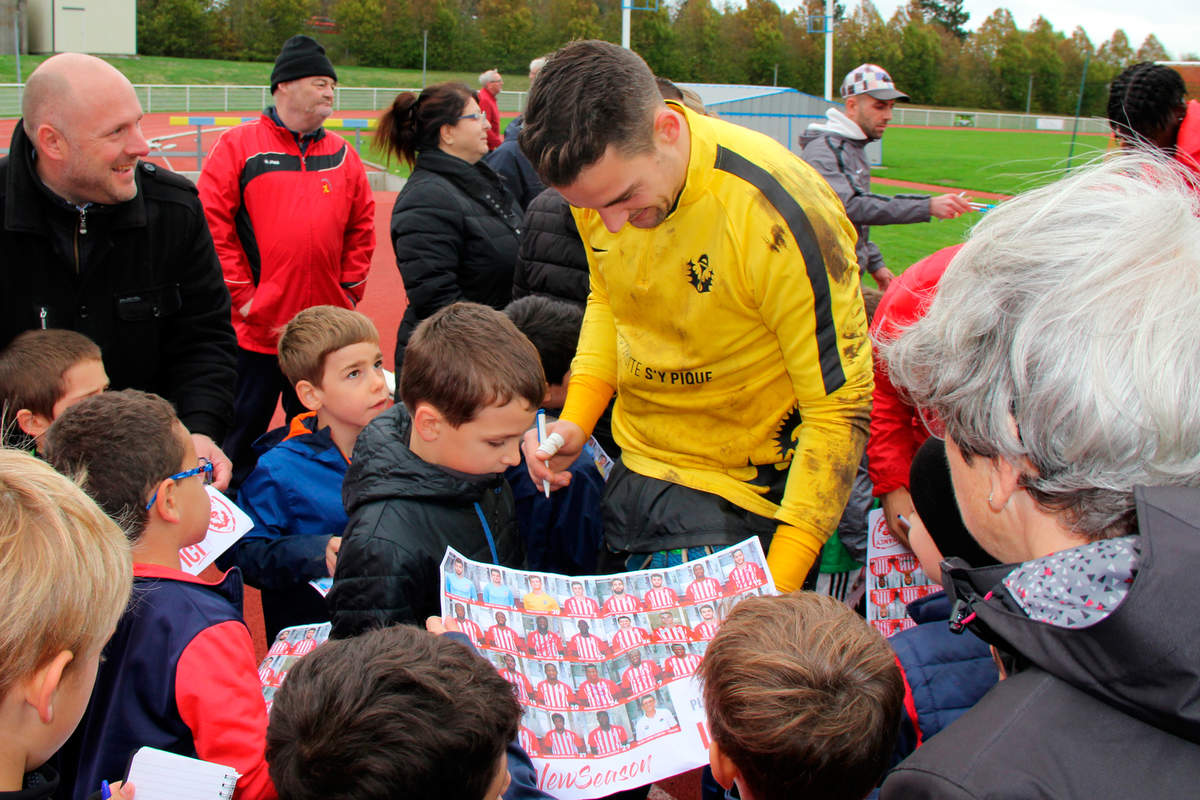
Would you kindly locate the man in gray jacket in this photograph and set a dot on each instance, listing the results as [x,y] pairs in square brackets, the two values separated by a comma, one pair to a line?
[836,149]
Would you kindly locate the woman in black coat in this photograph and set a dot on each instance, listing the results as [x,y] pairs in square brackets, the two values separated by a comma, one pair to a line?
[455,228]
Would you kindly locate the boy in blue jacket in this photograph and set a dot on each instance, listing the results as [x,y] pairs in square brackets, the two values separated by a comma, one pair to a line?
[331,356]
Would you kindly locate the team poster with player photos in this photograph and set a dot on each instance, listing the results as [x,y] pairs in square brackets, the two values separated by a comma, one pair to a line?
[894,578]
[603,664]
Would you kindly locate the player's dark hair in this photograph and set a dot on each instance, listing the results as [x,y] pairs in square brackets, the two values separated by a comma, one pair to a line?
[467,357]
[803,696]
[414,122]
[396,712]
[553,327]
[1145,101]
[121,445]
[590,95]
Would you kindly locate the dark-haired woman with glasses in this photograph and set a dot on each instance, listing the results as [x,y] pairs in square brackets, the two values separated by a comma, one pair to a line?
[455,228]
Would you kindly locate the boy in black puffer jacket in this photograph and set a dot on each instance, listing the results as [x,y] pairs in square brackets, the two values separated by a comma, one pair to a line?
[427,474]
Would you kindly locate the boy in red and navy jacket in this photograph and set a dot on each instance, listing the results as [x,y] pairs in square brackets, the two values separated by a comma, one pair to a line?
[179,672]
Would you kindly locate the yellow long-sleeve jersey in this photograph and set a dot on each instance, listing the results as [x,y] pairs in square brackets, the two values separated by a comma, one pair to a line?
[735,336]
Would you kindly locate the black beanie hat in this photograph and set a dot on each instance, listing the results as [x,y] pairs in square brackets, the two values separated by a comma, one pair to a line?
[933,497]
[300,57]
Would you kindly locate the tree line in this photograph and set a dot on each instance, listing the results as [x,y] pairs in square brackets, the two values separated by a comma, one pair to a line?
[925,45]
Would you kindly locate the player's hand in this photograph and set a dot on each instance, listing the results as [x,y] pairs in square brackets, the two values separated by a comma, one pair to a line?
[438,626]
[559,458]
[948,206]
[222,466]
[121,790]
[897,503]
[883,278]
[331,553]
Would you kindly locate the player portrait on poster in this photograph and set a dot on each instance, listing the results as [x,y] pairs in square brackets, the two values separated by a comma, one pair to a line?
[603,665]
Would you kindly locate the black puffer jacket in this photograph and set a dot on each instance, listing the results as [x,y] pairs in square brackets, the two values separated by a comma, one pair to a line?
[455,230]
[552,259]
[404,512]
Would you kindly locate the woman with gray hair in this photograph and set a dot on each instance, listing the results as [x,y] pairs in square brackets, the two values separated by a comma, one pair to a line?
[1060,355]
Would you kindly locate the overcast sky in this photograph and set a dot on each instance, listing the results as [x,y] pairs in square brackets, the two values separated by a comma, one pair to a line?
[1176,24]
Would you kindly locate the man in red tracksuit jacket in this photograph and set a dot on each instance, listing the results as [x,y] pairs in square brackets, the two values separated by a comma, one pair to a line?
[293,221]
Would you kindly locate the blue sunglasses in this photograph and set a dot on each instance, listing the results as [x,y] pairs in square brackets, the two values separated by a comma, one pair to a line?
[205,468]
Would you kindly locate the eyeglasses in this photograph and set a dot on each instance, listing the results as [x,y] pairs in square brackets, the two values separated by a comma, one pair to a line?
[478,115]
[205,468]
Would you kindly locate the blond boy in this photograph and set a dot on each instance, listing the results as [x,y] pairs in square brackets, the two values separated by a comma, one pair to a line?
[64,581]
[42,374]
[332,358]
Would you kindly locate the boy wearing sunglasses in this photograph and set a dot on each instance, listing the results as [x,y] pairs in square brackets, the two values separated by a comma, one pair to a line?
[179,672]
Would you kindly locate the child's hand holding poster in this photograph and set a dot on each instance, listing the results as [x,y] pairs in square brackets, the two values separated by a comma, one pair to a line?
[894,578]
[603,664]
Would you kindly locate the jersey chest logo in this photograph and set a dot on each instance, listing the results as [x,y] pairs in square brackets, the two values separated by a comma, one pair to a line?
[700,274]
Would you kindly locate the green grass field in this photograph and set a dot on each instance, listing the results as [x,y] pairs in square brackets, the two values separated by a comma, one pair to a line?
[158,70]
[1006,162]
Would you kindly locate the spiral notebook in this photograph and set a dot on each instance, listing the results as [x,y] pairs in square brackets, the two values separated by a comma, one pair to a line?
[159,775]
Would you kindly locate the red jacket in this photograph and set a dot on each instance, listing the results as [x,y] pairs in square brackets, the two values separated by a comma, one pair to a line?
[487,104]
[1187,143]
[896,428]
[292,229]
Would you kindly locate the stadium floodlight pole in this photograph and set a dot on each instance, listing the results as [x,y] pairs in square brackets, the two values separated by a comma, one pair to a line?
[829,49]
[626,22]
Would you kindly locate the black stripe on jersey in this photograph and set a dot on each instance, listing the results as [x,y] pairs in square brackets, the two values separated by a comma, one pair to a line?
[802,231]
[263,163]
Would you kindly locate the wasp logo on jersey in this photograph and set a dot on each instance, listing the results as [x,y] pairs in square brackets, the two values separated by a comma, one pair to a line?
[700,274]
[786,432]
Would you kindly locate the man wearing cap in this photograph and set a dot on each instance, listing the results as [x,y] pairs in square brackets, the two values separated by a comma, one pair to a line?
[492,83]
[836,148]
[292,217]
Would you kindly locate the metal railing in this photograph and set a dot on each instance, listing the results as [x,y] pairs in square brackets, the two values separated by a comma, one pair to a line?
[953,118]
[156,98]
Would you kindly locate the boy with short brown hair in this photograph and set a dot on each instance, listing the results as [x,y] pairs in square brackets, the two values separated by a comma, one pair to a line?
[803,700]
[43,373]
[428,473]
[64,582]
[180,671]
[332,358]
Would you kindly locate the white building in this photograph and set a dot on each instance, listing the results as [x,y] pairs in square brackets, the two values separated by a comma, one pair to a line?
[82,26]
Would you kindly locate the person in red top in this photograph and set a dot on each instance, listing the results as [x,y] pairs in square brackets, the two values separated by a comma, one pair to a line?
[659,596]
[266,673]
[281,646]
[514,676]
[467,626]
[669,630]
[897,430]
[491,84]
[586,646]
[553,693]
[619,602]
[703,588]
[607,738]
[543,642]
[503,637]
[1148,107]
[560,741]
[306,645]
[596,692]
[707,628]
[628,636]
[745,574]
[681,662]
[641,676]
[579,604]
[529,741]
[293,221]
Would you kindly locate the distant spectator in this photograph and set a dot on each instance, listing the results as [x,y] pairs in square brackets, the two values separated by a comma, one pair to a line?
[490,84]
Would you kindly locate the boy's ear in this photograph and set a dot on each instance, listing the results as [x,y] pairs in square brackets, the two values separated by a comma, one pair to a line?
[310,396]
[32,423]
[42,685]
[427,422]
[723,768]
[166,504]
